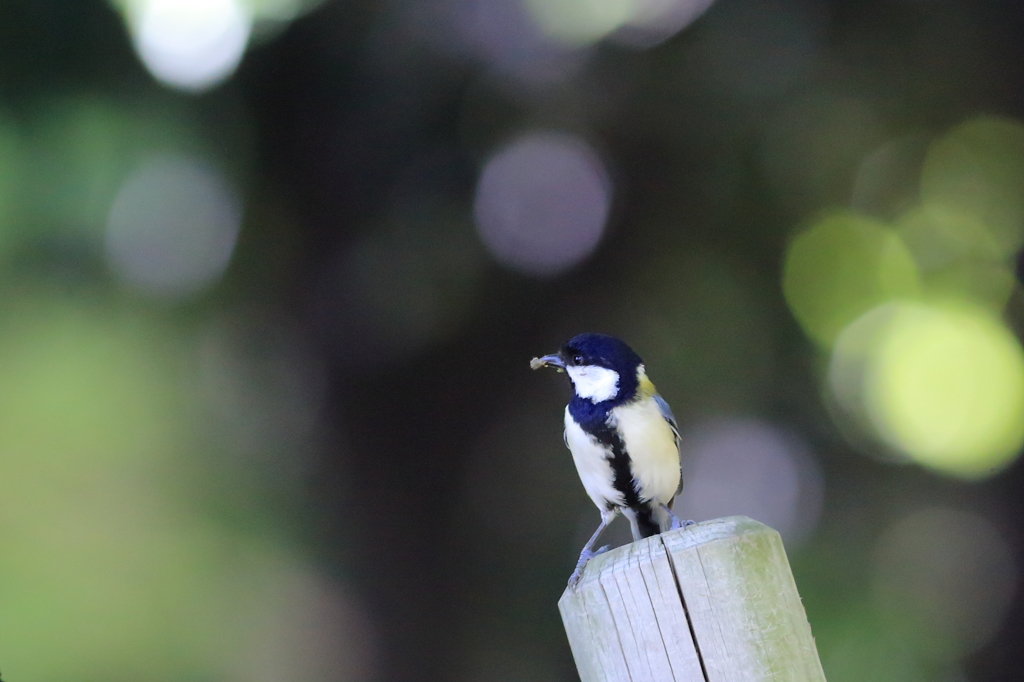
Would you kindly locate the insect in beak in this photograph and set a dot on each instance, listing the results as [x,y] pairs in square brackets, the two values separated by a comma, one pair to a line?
[554,360]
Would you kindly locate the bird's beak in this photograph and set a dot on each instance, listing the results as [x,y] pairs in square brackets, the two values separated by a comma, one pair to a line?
[548,361]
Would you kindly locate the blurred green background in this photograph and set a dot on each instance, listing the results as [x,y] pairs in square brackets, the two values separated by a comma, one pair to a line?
[272,271]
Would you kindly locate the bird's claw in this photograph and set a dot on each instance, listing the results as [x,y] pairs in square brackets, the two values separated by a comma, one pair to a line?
[677,523]
[585,556]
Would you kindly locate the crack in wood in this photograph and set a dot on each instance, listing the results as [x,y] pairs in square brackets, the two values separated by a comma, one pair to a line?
[686,612]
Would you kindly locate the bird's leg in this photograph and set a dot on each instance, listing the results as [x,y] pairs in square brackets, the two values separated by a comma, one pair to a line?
[587,554]
[676,523]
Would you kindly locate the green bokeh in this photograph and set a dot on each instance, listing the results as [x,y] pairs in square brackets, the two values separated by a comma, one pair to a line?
[855,646]
[957,255]
[108,572]
[80,149]
[939,384]
[11,170]
[946,386]
[840,268]
[977,169]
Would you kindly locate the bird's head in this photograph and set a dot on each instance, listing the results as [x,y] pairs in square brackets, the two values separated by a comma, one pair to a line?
[601,367]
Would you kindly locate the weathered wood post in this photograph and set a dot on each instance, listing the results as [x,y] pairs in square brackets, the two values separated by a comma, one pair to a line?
[714,602]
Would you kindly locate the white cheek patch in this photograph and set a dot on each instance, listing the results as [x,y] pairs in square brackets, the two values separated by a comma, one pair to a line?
[594,383]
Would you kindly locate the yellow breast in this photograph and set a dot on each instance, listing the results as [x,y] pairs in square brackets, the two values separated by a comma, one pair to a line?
[651,446]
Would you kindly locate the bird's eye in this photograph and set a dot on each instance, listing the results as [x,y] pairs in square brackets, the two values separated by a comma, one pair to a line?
[577,359]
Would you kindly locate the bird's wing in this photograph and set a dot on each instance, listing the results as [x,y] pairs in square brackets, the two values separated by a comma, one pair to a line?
[666,412]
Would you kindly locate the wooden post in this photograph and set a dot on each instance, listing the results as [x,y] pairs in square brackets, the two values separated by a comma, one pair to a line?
[713,602]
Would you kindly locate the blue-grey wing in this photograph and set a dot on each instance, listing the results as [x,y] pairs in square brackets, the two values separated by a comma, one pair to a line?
[666,412]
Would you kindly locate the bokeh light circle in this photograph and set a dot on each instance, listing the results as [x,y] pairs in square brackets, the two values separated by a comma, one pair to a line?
[957,256]
[885,184]
[542,202]
[518,56]
[977,168]
[190,44]
[173,225]
[841,267]
[943,581]
[845,381]
[579,22]
[655,21]
[940,384]
[753,468]
[947,387]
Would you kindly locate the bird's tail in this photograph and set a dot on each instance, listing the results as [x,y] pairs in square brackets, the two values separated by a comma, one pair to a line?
[648,520]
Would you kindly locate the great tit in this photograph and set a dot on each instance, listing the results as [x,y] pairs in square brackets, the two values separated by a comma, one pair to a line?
[622,435]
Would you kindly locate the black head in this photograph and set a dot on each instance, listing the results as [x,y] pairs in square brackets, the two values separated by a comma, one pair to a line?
[586,357]
[600,350]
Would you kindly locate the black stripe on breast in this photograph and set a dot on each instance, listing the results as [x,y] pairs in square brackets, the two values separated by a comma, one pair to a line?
[621,464]
[594,420]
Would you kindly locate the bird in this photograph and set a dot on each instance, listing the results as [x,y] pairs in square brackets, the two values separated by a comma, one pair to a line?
[622,435]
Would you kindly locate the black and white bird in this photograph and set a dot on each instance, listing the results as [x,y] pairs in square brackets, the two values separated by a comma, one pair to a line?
[622,436]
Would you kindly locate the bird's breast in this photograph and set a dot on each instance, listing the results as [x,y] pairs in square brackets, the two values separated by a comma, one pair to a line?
[593,460]
[650,443]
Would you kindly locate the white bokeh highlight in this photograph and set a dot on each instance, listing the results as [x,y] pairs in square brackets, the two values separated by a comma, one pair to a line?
[654,21]
[542,203]
[751,468]
[172,227]
[191,45]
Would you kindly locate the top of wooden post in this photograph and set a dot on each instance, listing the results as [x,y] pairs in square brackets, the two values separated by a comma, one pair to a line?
[713,602]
